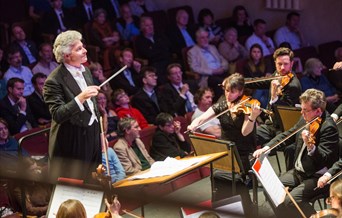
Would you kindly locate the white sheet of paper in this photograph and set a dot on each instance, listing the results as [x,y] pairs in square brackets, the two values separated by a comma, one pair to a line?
[269,180]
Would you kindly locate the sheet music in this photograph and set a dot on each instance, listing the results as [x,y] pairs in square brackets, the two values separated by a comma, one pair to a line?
[269,180]
[91,199]
[168,167]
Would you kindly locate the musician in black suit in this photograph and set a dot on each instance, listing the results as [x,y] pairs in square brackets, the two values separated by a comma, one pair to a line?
[336,168]
[129,79]
[14,108]
[74,144]
[146,100]
[176,96]
[337,113]
[38,107]
[316,148]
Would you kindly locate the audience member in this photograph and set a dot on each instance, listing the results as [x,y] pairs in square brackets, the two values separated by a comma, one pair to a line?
[176,97]
[112,7]
[182,34]
[204,100]
[290,32]
[259,37]
[207,22]
[127,25]
[139,7]
[98,78]
[38,8]
[147,99]
[314,78]
[205,60]
[3,89]
[46,63]
[102,34]
[58,19]
[231,49]
[124,109]
[168,141]
[311,158]
[36,102]
[109,116]
[116,170]
[338,54]
[14,108]
[128,80]
[27,48]
[130,149]
[85,12]
[257,66]
[17,70]
[154,47]
[241,22]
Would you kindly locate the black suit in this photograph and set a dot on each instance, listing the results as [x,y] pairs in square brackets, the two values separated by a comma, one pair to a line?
[51,25]
[121,82]
[145,105]
[337,167]
[72,141]
[170,100]
[325,154]
[82,14]
[177,39]
[338,111]
[15,119]
[31,46]
[38,107]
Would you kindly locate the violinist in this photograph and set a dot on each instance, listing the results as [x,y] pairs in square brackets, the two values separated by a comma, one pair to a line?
[337,167]
[315,150]
[285,91]
[337,113]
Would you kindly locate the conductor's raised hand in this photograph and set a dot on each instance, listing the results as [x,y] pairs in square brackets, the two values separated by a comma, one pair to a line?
[88,92]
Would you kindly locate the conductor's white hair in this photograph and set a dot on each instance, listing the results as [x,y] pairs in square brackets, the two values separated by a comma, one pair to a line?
[64,43]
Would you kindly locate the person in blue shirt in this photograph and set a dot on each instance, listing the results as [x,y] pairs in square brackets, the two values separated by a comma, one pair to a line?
[116,170]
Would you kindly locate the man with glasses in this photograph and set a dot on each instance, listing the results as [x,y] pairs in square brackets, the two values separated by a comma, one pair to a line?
[316,149]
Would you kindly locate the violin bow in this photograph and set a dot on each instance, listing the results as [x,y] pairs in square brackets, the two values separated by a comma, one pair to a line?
[216,116]
[132,214]
[262,79]
[294,202]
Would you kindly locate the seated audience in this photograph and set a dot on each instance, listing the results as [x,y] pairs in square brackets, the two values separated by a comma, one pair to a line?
[14,108]
[116,170]
[338,54]
[207,22]
[206,61]
[139,7]
[58,19]
[102,34]
[38,8]
[84,11]
[259,37]
[127,25]
[130,149]
[312,158]
[168,141]
[257,66]
[98,78]
[46,63]
[27,48]
[17,70]
[147,99]
[204,100]
[39,109]
[290,33]
[182,34]
[176,97]
[155,47]
[112,7]
[231,49]
[110,118]
[129,79]
[241,22]
[314,78]
[3,90]
[124,109]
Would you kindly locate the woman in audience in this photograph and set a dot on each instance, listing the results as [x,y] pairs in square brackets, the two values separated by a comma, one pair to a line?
[110,118]
[256,66]
[206,21]
[241,23]
[127,25]
[102,34]
[314,78]
[168,141]
[231,49]
[123,108]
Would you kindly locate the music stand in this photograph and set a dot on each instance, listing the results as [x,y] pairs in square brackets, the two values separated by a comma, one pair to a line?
[91,196]
[232,163]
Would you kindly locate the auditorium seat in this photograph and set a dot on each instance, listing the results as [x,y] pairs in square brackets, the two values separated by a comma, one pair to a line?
[146,136]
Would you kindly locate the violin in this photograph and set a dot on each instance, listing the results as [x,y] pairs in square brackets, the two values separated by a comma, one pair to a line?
[283,82]
[331,212]
[246,107]
[313,127]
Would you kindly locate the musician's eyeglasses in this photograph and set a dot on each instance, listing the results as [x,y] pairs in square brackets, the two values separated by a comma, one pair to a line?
[329,199]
